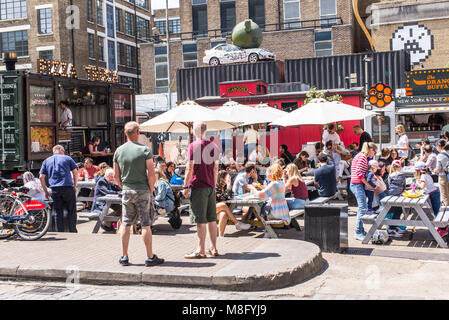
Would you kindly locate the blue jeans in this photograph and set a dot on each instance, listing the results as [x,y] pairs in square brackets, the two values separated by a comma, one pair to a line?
[358,189]
[296,204]
[435,201]
[370,197]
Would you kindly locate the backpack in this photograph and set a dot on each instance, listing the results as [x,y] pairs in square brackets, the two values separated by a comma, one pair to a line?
[176,180]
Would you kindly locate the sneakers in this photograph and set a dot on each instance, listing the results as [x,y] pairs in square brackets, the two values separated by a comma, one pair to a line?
[394,233]
[242,226]
[106,228]
[154,261]
[370,211]
[359,236]
[124,261]
[443,232]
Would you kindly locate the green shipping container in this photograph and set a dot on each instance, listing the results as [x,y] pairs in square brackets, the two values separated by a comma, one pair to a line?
[12,122]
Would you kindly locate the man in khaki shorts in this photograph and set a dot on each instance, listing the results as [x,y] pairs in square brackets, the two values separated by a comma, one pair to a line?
[201,177]
[134,173]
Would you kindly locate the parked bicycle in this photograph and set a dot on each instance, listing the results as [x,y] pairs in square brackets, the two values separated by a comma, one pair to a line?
[22,215]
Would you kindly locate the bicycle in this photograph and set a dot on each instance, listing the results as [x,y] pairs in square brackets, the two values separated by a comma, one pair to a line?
[22,215]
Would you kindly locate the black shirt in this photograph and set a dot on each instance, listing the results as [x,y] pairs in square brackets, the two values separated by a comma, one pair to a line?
[364,137]
[287,157]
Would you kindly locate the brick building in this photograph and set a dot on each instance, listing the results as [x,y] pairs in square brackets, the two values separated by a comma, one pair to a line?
[103,34]
[419,27]
[291,28]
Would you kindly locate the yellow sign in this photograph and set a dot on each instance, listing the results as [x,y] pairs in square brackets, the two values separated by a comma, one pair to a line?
[100,74]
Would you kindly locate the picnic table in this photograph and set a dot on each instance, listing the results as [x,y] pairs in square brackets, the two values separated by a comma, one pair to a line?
[257,204]
[90,184]
[408,171]
[417,213]
[109,199]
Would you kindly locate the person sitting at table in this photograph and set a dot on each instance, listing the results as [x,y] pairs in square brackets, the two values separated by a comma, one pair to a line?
[34,186]
[162,165]
[286,155]
[105,186]
[92,147]
[385,157]
[240,161]
[314,158]
[242,182]
[165,198]
[425,182]
[171,167]
[324,177]
[330,134]
[352,150]
[394,156]
[302,162]
[256,155]
[275,191]
[103,167]
[396,183]
[294,182]
[89,170]
[223,192]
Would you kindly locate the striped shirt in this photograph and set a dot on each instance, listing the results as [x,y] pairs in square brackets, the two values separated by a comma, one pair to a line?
[359,168]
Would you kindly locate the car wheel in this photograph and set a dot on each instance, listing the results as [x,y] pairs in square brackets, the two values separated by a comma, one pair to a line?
[253,57]
[214,61]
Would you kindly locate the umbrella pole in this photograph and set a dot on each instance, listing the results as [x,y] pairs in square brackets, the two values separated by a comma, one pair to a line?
[190,134]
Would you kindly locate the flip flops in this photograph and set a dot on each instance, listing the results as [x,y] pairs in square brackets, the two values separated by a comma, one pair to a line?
[195,255]
[213,253]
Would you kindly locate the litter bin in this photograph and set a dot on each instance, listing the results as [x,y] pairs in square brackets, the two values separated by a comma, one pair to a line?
[327,226]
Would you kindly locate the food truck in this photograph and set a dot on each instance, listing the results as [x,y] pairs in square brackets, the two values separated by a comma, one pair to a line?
[30,113]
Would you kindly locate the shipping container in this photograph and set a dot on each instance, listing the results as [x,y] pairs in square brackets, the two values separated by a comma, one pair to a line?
[193,83]
[335,71]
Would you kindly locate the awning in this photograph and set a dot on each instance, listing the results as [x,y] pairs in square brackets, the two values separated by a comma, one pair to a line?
[422,110]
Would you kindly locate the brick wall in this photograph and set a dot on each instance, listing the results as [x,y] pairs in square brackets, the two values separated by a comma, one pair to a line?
[342,40]
[147,68]
[289,44]
[185,7]
[213,14]
[241,11]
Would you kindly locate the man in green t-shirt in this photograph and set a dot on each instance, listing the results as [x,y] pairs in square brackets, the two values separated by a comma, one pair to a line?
[134,173]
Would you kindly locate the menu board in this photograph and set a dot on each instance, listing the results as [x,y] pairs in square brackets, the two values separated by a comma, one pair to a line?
[122,107]
[77,141]
[42,104]
[42,139]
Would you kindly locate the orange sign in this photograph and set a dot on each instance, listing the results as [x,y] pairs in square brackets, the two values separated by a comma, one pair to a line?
[380,95]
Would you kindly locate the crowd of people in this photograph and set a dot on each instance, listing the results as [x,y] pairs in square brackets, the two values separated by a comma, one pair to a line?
[146,183]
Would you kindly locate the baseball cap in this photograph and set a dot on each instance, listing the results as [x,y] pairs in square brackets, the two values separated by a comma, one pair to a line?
[396,163]
[373,163]
[420,165]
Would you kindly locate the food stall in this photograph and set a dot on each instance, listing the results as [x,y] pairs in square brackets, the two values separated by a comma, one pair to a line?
[99,106]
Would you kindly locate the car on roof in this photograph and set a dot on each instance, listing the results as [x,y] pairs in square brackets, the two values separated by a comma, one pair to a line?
[229,53]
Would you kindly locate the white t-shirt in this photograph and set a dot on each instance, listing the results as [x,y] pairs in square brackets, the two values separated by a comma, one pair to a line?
[251,136]
[66,114]
[254,156]
[403,140]
[334,137]
[430,187]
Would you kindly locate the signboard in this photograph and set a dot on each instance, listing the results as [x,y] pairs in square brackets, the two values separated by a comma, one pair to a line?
[421,100]
[380,95]
[428,82]
[237,89]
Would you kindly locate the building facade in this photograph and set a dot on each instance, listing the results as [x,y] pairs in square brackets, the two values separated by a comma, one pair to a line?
[420,27]
[291,28]
[98,33]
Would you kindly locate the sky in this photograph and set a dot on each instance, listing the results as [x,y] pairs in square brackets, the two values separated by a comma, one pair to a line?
[160,4]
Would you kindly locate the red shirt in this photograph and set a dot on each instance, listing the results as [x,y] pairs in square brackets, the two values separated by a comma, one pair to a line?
[204,154]
[300,192]
[90,172]
[359,168]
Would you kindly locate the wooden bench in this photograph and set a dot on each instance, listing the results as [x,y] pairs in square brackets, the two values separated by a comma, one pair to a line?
[274,223]
[323,200]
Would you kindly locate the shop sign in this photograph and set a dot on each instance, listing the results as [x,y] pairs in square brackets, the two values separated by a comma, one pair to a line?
[100,74]
[421,100]
[237,89]
[380,95]
[57,68]
[428,82]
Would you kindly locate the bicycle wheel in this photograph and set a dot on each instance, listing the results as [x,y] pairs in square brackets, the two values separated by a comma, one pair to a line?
[6,230]
[36,226]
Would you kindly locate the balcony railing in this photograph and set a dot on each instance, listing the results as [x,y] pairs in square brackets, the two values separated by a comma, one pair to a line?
[322,23]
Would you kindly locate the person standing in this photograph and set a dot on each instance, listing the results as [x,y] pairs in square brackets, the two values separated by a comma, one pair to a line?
[134,174]
[66,115]
[330,134]
[364,136]
[59,169]
[402,145]
[201,177]
[359,169]
[441,170]
[250,139]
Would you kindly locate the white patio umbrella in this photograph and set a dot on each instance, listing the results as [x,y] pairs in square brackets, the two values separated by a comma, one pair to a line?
[181,119]
[268,111]
[320,111]
[243,113]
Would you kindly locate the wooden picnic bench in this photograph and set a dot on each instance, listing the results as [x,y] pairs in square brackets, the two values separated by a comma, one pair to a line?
[417,213]
[110,199]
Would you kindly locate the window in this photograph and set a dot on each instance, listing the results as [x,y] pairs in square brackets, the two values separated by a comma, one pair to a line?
[13,9]
[44,19]
[141,3]
[160,64]
[46,54]
[213,44]
[174,26]
[118,20]
[292,13]
[199,17]
[99,12]
[323,43]
[91,46]
[257,12]
[16,41]
[89,11]
[111,55]
[189,55]
[328,10]
[132,82]
[143,28]
[386,131]
[120,53]
[227,15]
[289,106]
[110,21]
[129,24]
[130,56]
[195,2]
[101,48]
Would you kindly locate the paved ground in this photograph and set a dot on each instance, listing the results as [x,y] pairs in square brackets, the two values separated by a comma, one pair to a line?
[409,268]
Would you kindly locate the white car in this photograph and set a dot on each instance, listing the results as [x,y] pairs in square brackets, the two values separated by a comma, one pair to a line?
[228,53]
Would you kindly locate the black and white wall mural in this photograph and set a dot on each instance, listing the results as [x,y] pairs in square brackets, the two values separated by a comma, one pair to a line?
[414,38]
